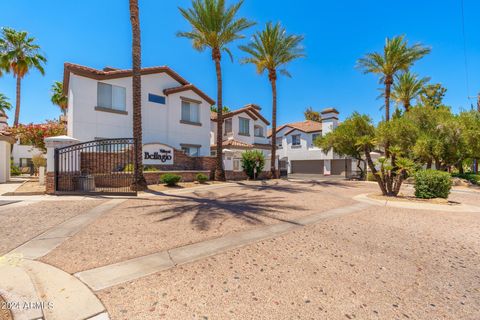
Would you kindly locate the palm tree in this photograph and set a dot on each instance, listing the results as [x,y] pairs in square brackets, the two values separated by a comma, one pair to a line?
[58,98]
[396,56]
[215,26]
[19,54]
[270,50]
[4,104]
[406,88]
[139,182]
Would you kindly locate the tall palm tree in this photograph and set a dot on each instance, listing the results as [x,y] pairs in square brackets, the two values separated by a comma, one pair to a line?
[396,56]
[270,50]
[58,98]
[4,104]
[139,182]
[215,26]
[407,87]
[19,54]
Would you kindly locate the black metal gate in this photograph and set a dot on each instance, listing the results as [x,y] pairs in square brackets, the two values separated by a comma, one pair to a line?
[103,166]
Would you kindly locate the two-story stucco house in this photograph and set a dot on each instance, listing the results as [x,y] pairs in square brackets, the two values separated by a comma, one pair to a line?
[295,146]
[174,111]
[243,129]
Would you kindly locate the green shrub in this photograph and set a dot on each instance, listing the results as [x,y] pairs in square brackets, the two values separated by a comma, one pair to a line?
[170,179]
[251,160]
[432,184]
[472,177]
[149,169]
[370,177]
[201,178]
[128,168]
[14,170]
[39,161]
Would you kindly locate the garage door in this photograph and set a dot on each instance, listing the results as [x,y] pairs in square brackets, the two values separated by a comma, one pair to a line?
[338,167]
[307,166]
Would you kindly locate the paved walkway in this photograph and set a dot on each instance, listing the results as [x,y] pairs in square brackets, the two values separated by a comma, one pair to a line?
[107,276]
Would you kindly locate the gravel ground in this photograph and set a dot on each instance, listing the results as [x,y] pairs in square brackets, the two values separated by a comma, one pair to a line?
[381,263]
[144,226]
[20,224]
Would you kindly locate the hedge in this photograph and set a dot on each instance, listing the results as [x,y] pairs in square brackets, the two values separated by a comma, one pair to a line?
[432,184]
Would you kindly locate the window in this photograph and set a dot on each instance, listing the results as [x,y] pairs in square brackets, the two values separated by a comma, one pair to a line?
[111,97]
[314,137]
[244,125]
[228,126]
[190,112]
[25,162]
[156,99]
[192,151]
[279,142]
[295,140]
[236,165]
[258,131]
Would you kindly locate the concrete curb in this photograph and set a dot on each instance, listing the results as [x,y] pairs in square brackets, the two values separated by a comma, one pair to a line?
[416,205]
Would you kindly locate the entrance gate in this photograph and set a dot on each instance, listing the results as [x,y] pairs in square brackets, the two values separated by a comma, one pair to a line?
[103,166]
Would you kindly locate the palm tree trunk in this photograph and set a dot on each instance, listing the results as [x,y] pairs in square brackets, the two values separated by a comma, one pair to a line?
[407,106]
[139,182]
[17,102]
[273,156]
[219,171]
[379,179]
[388,85]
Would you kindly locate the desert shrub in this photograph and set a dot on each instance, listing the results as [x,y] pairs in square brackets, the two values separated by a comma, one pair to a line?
[200,177]
[472,177]
[370,177]
[129,168]
[14,170]
[170,179]
[149,169]
[432,184]
[39,161]
[251,160]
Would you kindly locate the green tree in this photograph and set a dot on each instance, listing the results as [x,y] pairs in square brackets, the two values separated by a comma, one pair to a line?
[253,162]
[215,26]
[139,182]
[310,114]
[407,87]
[19,54]
[432,95]
[397,56]
[58,98]
[225,109]
[4,103]
[471,133]
[271,49]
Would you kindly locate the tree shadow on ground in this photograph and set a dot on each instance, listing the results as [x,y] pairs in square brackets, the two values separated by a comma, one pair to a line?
[289,187]
[330,183]
[208,207]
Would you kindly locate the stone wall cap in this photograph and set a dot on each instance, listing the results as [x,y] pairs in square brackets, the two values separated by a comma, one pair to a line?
[61,139]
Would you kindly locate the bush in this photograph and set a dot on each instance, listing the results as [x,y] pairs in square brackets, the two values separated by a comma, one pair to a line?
[201,178]
[432,184]
[170,179]
[14,170]
[472,177]
[39,161]
[253,160]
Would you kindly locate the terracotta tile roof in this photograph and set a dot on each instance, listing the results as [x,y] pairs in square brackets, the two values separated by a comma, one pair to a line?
[189,87]
[252,110]
[112,73]
[304,126]
[329,110]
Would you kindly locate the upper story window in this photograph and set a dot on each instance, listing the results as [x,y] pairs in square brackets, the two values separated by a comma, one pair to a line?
[258,131]
[228,126]
[244,126]
[190,112]
[314,137]
[111,96]
[295,140]
[279,142]
[191,150]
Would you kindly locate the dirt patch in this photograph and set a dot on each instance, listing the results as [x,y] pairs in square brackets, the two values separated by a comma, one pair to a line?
[31,187]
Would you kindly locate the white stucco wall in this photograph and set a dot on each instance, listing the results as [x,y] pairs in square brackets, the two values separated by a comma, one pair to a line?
[4,161]
[23,151]
[251,139]
[160,122]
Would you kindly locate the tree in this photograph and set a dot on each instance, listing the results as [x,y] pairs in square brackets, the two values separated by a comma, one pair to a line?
[396,56]
[19,54]
[139,182]
[215,26]
[344,140]
[58,98]
[272,49]
[406,88]
[432,95]
[225,109]
[35,134]
[4,104]
[312,115]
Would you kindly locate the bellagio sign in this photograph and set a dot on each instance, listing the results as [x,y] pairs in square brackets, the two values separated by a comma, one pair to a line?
[157,153]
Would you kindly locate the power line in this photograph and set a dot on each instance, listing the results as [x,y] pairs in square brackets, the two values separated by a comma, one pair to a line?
[465,49]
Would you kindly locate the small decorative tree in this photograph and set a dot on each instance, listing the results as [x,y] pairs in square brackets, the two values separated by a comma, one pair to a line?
[253,162]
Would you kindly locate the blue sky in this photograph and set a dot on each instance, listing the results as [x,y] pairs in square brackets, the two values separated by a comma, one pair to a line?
[97,33]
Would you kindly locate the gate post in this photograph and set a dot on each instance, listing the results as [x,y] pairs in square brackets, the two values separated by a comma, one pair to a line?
[53,143]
